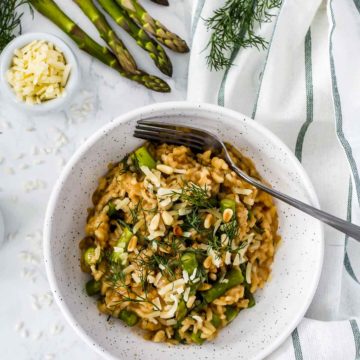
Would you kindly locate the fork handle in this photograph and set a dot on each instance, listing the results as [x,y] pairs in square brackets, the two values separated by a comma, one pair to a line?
[346,227]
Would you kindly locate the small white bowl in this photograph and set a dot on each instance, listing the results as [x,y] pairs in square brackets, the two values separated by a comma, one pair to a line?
[50,105]
[256,332]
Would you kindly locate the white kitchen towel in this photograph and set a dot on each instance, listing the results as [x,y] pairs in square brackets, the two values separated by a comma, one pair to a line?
[305,87]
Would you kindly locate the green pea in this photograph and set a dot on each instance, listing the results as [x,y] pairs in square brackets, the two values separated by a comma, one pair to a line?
[128,317]
[89,256]
[93,287]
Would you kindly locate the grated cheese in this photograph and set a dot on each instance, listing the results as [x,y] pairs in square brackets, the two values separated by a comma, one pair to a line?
[39,72]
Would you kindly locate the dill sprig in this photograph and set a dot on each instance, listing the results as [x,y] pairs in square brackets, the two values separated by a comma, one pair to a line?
[118,277]
[135,212]
[193,221]
[10,20]
[197,196]
[231,229]
[233,27]
[214,242]
[163,264]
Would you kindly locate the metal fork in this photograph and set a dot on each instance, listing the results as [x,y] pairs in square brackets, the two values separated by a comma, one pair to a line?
[200,140]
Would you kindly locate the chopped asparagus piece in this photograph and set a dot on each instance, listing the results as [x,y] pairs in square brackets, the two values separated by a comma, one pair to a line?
[250,296]
[196,338]
[234,277]
[119,255]
[144,158]
[216,321]
[231,313]
[189,262]
[181,310]
[227,204]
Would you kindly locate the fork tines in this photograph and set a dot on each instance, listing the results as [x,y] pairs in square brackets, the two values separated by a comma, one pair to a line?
[168,133]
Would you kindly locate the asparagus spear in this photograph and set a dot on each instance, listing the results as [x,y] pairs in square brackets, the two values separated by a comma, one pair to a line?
[107,34]
[156,51]
[49,9]
[153,26]
[161,2]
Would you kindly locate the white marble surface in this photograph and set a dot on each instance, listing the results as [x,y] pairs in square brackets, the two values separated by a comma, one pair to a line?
[33,150]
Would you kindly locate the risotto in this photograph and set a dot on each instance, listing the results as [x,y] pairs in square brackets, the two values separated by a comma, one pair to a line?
[177,243]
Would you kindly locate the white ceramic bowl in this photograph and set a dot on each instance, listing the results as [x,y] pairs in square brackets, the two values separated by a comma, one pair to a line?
[51,105]
[280,306]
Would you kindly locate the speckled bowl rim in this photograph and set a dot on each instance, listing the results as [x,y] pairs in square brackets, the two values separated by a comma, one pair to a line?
[179,106]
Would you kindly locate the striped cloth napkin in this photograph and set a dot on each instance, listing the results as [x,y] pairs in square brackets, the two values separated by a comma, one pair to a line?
[305,88]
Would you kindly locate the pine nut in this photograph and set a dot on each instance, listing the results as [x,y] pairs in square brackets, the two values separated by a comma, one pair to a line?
[208,221]
[167,218]
[154,222]
[177,230]
[227,215]
[207,262]
[132,244]
[213,276]
[191,301]
[167,203]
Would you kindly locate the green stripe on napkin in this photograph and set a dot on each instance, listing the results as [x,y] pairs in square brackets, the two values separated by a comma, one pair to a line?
[309,97]
[266,59]
[356,333]
[347,263]
[357,4]
[297,345]
[199,7]
[338,112]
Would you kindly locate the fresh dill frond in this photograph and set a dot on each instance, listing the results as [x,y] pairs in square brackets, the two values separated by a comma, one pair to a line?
[240,247]
[135,211]
[202,274]
[155,262]
[123,223]
[197,196]
[231,229]
[124,163]
[116,274]
[135,163]
[175,243]
[10,20]
[214,242]
[233,27]
[162,263]
[194,221]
